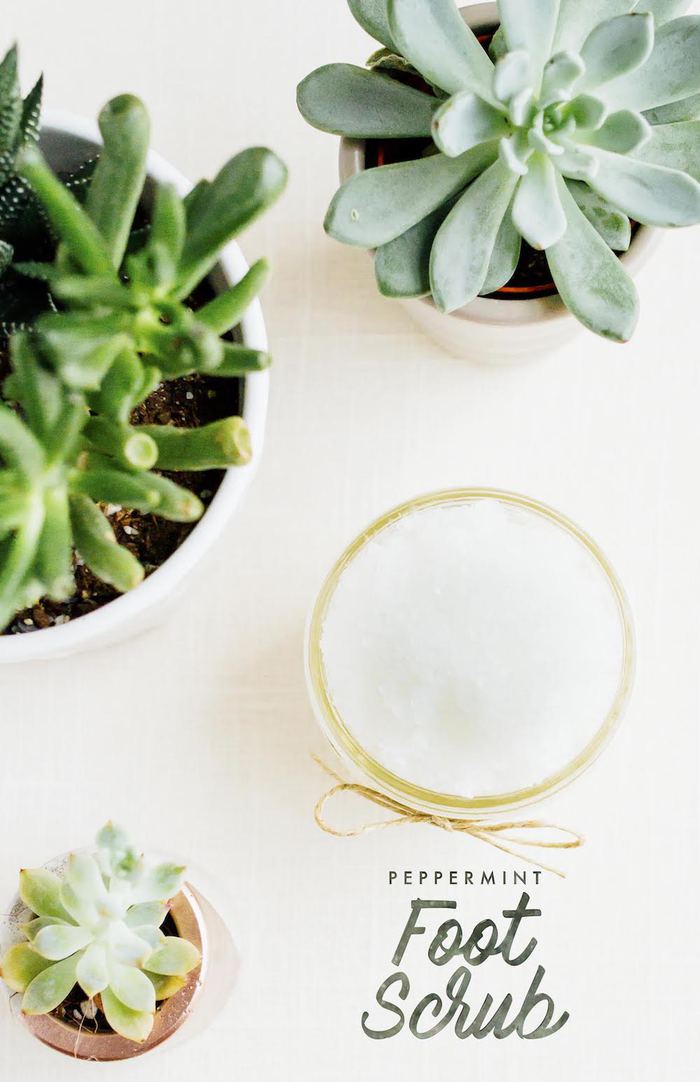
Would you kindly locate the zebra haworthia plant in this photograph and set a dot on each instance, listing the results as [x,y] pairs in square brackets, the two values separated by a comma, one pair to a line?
[124,325]
[582,117]
[98,926]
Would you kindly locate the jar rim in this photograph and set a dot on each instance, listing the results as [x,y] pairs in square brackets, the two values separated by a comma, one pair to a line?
[418,797]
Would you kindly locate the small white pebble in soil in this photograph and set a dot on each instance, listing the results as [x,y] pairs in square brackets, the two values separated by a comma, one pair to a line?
[473,649]
[28,622]
[189,396]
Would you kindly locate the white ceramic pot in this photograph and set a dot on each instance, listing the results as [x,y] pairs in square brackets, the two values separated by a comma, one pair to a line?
[67,141]
[496,331]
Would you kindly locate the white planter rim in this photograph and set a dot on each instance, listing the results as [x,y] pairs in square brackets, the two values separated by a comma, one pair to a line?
[154,590]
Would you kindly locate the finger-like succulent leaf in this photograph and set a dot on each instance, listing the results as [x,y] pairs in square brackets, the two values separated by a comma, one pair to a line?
[466,120]
[375,207]
[20,966]
[118,180]
[60,941]
[175,958]
[351,101]
[133,1025]
[458,271]
[587,110]
[91,972]
[85,877]
[651,194]
[50,987]
[81,910]
[239,194]
[437,41]
[96,543]
[616,47]
[213,446]
[160,883]
[613,226]
[591,280]
[672,71]
[40,891]
[372,15]
[227,309]
[676,146]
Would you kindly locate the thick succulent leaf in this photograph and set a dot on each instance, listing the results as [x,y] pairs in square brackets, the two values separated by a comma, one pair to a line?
[464,245]
[351,101]
[672,71]
[153,936]
[676,111]
[60,941]
[513,77]
[498,47]
[664,10]
[146,913]
[676,146]
[613,226]
[82,910]
[577,19]
[623,132]
[464,121]
[537,211]
[376,206]
[372,15]
[650,194]
[50,987]
[615,47]
[32,928]
[437,41]
[41,892]
[561,73]
[160,884]
[402,267]
[587,110]
[85,877]
[91,972]
[515,152]
[530,25]
[132,988]
[175,958]
[20,966]
[113,838]
[578,163]
[505,257]
[127,947]
[245,187]
[133,1025]
[591,280]
[165,987]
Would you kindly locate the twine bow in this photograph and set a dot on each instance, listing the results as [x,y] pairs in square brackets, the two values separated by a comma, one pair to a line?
[504,836]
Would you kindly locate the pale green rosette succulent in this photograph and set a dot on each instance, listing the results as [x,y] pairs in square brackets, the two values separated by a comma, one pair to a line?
[99,926]
[583,116]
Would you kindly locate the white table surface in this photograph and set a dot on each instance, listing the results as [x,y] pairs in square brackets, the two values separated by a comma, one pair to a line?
[198,736]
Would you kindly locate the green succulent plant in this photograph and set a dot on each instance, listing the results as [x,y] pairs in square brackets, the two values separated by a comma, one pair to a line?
[67,441]
[583,117]
[99,926]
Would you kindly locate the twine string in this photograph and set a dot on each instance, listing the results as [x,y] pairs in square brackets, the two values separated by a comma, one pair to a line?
[508,837]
